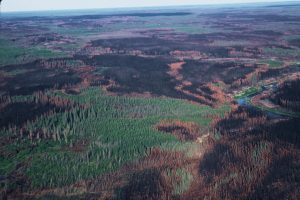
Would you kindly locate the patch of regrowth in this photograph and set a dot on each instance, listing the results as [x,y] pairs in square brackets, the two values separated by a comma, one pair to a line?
[247,92]
[273,63]
[185,179]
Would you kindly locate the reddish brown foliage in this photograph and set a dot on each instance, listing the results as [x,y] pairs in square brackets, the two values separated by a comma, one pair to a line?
[253,160]
[182,130]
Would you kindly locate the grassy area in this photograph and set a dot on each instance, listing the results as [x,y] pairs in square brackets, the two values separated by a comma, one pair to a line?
[247,92]
[186,179]
[273,63]
[295,63]
[99,138]
[10,53]
[282,52]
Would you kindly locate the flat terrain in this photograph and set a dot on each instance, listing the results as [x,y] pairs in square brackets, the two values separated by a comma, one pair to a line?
[173,103]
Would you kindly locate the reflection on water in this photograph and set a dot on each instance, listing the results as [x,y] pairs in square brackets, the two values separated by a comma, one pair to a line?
[245,102]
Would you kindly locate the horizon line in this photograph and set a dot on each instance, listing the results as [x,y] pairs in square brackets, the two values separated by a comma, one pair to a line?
[158,6]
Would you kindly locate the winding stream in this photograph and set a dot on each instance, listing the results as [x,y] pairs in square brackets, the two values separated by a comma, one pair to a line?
[246,102]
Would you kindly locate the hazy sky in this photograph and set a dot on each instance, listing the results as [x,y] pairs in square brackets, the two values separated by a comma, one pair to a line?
[26,5]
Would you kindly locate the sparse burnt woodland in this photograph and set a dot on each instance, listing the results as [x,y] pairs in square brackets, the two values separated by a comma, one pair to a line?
[255,157]
[288,95]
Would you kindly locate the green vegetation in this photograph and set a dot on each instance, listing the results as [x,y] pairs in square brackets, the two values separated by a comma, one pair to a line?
[159,129]
[247,92]
[278,111]
[273,63]
[295,63]
[10,53]
[282,52]
[186,179]
[107,133]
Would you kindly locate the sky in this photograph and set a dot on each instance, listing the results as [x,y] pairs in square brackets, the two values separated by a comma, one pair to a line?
[38,5]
